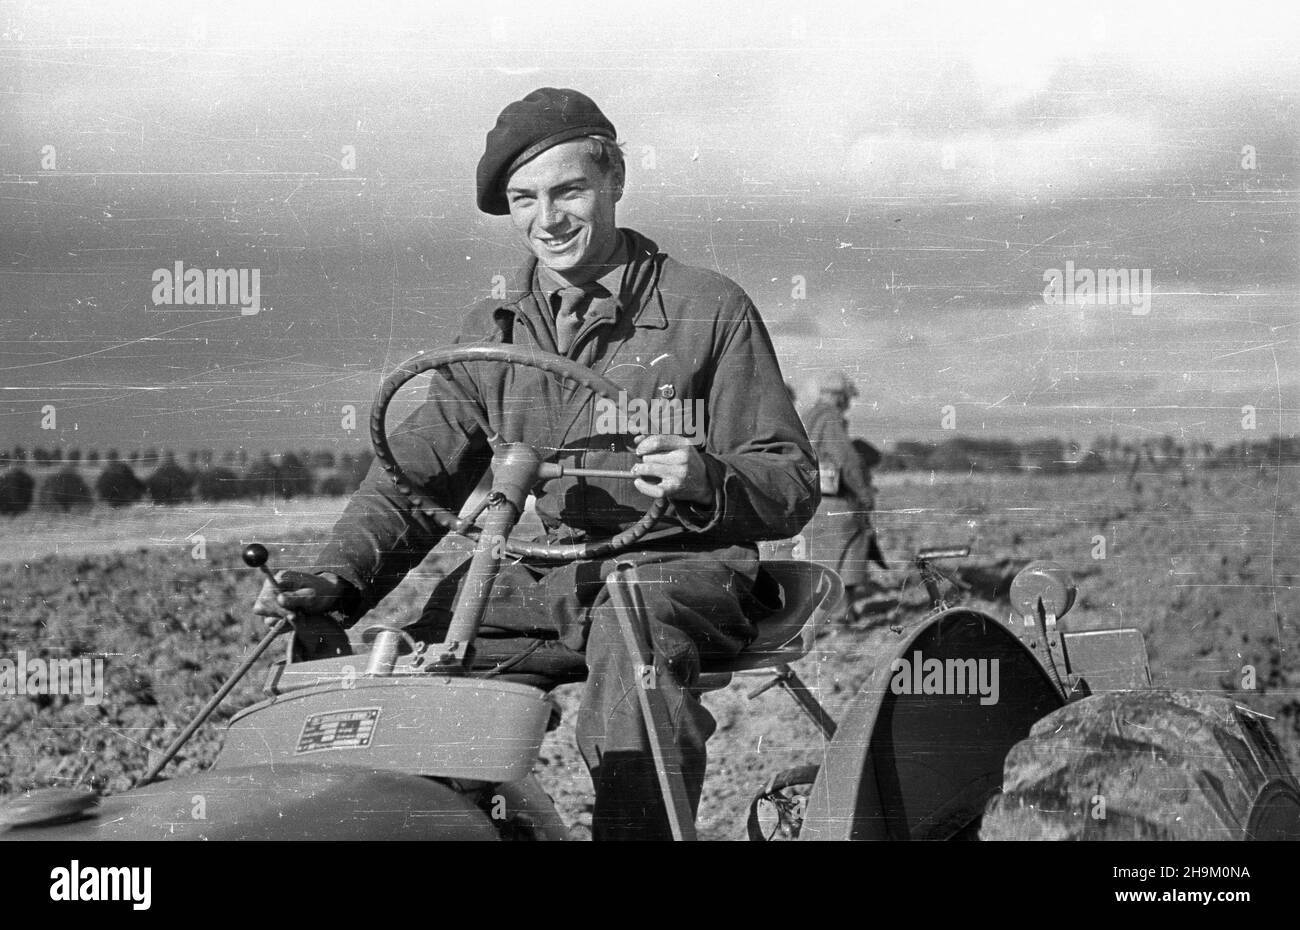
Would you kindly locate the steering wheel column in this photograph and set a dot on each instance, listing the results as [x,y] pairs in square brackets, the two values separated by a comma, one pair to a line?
[515,469]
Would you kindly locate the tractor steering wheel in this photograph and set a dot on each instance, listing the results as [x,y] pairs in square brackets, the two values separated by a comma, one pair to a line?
[515,355]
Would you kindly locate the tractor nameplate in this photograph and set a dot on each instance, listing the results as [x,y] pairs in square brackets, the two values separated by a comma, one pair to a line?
[339,729]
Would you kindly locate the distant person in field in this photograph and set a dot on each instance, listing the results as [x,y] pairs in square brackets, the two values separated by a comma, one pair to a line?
[840,534]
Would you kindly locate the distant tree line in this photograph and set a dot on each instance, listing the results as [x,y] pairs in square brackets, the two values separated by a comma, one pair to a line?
[195,459]
[118,480]
[158,477]
[1105,453]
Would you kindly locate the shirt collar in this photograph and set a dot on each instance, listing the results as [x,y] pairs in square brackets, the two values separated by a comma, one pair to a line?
[639,267]
[609,284]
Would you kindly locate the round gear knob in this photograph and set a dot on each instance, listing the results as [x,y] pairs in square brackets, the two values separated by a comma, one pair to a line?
[255,555]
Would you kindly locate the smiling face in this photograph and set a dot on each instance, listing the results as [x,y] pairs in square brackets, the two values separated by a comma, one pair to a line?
[562,203]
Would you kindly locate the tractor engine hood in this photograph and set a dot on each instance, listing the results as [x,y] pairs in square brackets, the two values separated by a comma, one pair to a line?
[292,801]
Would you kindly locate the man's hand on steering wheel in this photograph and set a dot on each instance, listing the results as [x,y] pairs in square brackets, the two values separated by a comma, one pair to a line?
[671,467]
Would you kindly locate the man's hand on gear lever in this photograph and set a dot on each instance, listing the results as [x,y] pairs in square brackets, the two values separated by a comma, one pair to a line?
[300,593]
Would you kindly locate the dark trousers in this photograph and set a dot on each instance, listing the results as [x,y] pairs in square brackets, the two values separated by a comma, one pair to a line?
[552,625]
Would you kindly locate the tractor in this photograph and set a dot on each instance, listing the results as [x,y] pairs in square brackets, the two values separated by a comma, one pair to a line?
[970,727]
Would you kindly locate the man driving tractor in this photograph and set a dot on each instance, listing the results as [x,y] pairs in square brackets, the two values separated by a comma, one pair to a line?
[726,450]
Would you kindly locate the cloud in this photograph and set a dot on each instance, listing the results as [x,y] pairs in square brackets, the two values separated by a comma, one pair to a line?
[919,164]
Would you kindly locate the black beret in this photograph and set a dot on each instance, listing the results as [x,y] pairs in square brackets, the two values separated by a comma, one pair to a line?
[528,127]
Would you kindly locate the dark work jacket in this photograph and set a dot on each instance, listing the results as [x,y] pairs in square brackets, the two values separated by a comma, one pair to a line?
[676,333]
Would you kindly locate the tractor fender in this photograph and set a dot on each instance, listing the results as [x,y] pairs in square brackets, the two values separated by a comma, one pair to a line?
[294,801]
[908,765]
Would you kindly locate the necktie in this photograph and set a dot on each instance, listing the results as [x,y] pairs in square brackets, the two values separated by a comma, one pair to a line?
[567,320]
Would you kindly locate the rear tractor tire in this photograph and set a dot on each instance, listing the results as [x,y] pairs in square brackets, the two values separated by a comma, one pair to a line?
[1146,765]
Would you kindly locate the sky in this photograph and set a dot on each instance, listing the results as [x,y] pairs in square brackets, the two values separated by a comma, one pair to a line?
[891,183]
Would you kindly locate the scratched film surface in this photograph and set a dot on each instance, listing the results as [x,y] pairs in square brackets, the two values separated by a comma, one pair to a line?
[1054,246]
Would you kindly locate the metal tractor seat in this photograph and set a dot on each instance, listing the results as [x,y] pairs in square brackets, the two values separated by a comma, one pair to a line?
[808,594]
